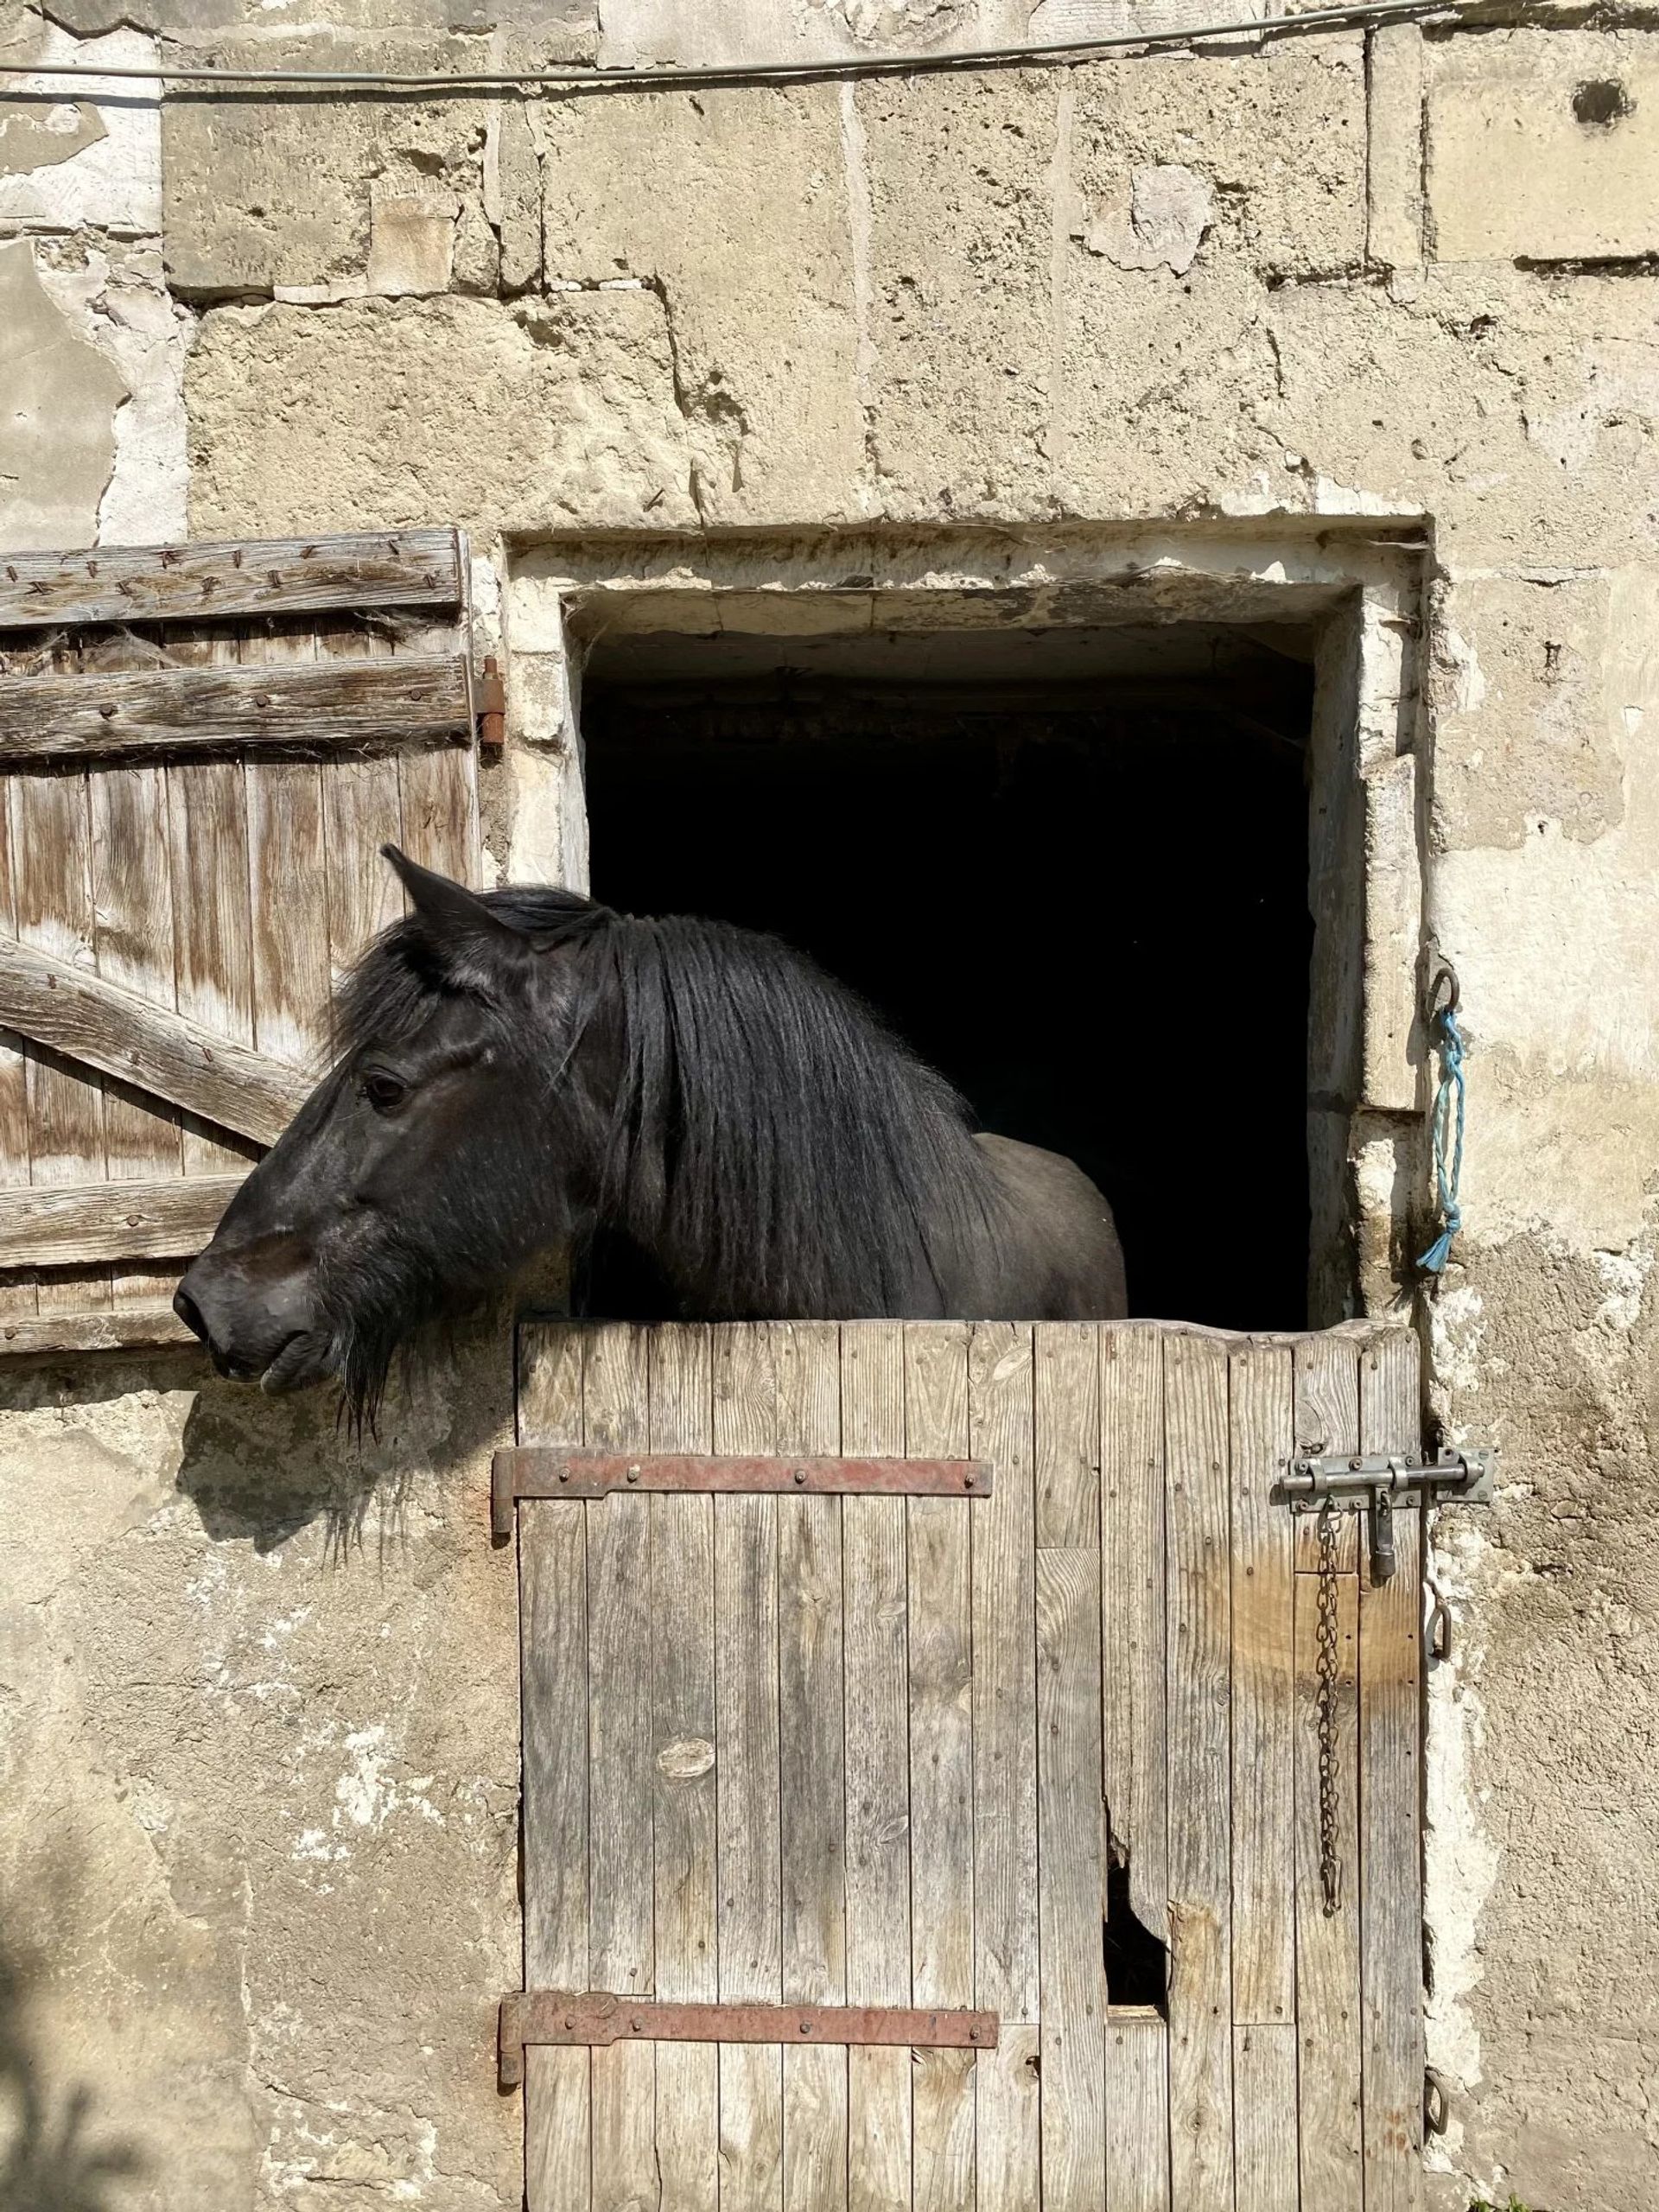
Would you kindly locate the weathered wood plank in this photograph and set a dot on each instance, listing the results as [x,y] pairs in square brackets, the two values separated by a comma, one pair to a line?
[878,1781]
[1067,1363]
[362,811]
[183,708]
[813,1774]
[132,935]
[1327,1947]
[1264,1690]
[85,1018]
[1327,1420]
[747,1756]
[18,1295]
[25,1336]
[89,1225]
[439,783]
[1137,2115]
[553,1612]
[683,1782]
[1264,2117]
[440,804]
[939,1579]
[1071,1878]
[1133,1670]
[279,576]
[52,871]
[1007,2102]
[620,1879]
[212,919]
[1072,1885]
[1200,1778]
[1390,1725]
[285,849]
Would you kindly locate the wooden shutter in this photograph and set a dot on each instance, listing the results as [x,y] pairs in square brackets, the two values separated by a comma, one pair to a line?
[877,1750]
[202,749]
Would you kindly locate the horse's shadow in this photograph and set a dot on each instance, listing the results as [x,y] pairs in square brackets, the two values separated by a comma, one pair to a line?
[262,1469]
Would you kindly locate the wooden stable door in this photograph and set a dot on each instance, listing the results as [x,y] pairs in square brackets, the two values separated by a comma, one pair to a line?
[854,1750]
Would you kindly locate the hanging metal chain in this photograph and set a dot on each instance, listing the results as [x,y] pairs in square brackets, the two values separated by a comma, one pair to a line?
[1330,1864]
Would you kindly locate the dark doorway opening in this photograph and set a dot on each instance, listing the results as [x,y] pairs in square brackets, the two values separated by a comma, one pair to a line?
[1070,867]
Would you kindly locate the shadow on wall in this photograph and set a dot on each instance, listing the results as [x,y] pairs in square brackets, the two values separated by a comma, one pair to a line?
[52,2156]
[263,1468]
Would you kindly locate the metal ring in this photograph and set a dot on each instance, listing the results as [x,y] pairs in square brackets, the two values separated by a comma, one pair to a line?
[1435,2104]
[1444,975]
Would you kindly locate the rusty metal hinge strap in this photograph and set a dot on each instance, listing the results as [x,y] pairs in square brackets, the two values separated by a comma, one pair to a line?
[543,1470]
[566,2017]
[491,706]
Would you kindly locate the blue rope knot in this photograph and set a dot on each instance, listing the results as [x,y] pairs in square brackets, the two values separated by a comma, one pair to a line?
[1446,1124]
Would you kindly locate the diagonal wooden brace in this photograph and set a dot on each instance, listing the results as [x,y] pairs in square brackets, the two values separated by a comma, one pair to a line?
[76,1013]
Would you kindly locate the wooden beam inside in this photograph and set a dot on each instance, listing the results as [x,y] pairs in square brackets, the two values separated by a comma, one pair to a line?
[87,1020]
[158,583]
[325,704]
[82,1224]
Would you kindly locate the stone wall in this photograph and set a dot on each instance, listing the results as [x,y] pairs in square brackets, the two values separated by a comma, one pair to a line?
[259,1766]
[1410,273]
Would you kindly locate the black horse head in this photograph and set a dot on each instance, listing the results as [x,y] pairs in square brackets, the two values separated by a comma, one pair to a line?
[517,1068]
[429,1164]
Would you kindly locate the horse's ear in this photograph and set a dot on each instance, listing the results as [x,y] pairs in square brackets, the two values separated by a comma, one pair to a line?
[456,917]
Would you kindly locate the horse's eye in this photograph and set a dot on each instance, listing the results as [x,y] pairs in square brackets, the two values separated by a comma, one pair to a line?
[385,1092]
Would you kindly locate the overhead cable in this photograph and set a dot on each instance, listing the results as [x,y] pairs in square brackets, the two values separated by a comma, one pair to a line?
[574,77]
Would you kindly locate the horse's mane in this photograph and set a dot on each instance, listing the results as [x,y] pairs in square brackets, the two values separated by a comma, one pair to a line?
[782,1152]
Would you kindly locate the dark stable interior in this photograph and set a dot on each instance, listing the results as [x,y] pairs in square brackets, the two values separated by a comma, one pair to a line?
[1083,897]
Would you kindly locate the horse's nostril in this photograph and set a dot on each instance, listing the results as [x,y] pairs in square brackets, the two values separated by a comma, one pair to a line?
[190,1313]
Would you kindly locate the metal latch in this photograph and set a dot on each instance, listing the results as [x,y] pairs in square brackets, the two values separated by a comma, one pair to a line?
[1358,1481]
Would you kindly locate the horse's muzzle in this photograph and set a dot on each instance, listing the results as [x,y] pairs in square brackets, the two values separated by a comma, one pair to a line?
[259,1325]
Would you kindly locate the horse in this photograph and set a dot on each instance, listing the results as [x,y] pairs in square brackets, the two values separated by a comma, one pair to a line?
[720,1129]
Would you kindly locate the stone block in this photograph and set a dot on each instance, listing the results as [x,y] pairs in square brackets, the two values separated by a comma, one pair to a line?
[952,181]
[1278,137]
[277,194]
[731,209]
[537,417]
[1394,164]
[1544,146]
[1165,384]
[1525,745]
[1512,409]
[411,242]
